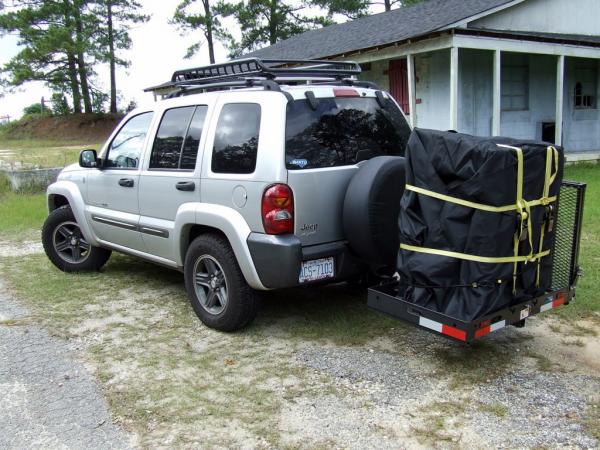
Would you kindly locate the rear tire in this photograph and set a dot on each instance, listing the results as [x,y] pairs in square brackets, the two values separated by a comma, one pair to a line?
[215,285]
[66,246]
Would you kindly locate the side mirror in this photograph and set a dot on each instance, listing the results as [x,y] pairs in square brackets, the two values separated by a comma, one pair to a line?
[88,158]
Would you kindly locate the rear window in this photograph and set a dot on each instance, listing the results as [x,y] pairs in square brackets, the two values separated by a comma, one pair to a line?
[342,131]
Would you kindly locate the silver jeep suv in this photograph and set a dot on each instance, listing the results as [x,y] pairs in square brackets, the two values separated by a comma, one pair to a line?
[238,178]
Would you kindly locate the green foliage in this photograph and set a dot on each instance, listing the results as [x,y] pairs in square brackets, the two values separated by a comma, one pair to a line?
[265,22]
[60,107]
[35,108]
[189,17]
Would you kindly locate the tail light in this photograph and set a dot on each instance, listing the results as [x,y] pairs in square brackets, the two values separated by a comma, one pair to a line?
[278,209]
[345,92]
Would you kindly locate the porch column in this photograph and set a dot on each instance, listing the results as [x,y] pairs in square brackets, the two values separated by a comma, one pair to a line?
[560,82]
[454,88]
[412,103]
[496,94]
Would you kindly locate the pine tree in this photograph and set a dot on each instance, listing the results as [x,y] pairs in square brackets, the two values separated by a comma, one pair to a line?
[115,18]
[269,21]
[206,20]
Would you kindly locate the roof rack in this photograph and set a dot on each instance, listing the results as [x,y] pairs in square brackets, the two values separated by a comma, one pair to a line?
[268,73]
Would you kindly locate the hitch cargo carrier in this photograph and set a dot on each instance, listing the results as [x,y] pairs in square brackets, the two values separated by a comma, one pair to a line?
[389,298]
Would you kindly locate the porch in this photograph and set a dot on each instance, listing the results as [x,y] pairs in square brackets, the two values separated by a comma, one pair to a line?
[485,84]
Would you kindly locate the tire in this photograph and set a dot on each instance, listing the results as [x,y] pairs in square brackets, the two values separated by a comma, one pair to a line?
[371,210]
[65,245]
[215,285]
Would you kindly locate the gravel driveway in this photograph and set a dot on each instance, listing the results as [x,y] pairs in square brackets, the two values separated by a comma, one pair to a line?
[47,398]
[282,383]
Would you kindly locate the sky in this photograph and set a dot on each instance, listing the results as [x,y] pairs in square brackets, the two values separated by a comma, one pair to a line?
[158,50]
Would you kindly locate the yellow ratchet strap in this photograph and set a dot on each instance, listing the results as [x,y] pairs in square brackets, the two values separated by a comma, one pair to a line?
[522,206]
[551,153]
[468,257]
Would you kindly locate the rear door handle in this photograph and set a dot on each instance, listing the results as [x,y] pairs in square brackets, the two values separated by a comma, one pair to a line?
[126,182]
[185,186]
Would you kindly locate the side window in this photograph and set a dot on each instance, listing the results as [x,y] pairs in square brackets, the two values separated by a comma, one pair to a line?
[126,148]
[178,138]
[236,138]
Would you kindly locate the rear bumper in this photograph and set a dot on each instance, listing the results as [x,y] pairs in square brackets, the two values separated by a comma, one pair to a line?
[277,259]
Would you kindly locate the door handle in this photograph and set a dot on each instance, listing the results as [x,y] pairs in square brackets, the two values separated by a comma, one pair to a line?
[126,182]
[185,186]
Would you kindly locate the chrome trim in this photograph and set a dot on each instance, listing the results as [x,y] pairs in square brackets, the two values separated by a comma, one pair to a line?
[154,231]
[116,223]
[131,226]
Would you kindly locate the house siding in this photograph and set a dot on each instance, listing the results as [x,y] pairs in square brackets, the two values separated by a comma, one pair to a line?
[550,16]
[433,89]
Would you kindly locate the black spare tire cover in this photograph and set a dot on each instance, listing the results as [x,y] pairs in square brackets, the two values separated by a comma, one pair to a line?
[371,209]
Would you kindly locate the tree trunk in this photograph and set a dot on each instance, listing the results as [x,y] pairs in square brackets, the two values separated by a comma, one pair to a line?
[111,53]
[273,23]
[76,93]
[83,77]
[388,5]
[209,30]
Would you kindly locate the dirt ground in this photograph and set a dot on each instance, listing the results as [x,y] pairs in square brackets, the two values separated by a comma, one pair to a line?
[316,370]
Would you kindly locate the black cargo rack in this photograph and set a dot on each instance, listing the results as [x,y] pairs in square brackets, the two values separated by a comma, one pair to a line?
[267,73]
[388,298]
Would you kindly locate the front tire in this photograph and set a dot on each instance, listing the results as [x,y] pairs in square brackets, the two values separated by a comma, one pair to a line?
[216,287]
[66,246]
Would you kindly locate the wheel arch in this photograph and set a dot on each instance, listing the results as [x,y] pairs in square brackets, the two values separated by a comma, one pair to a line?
[194,219]
[63,193]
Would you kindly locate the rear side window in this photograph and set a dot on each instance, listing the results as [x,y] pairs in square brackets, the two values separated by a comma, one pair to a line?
[342,131]
[178,138]
[236,138]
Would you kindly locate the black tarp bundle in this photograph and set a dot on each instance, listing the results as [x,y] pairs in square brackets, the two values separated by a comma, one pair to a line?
[478,170]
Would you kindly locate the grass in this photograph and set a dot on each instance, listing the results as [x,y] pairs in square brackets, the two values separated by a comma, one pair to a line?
[587,303]
[18,153]
[167,376]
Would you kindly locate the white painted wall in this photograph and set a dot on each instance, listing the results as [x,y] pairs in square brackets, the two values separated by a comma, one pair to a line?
[475,92]
[433,89]
[552,16]
[581,127]
[377,74]
[542,101]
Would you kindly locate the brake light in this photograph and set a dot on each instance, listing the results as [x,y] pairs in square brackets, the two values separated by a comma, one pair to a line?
[278,209]
[345,92]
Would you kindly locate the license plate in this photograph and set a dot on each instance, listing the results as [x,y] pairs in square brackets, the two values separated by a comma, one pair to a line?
[316,269]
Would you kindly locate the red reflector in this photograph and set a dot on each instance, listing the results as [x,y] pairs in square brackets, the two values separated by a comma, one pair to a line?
[345,93]
[454,332]
[482,331]
[560,300]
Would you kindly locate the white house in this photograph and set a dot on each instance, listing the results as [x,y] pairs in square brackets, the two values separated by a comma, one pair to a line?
[521,68]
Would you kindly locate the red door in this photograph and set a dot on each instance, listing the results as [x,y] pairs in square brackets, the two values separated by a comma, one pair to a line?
[398,75]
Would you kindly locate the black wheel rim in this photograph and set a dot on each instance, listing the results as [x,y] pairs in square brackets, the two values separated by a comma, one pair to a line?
[69,243]
[210,284]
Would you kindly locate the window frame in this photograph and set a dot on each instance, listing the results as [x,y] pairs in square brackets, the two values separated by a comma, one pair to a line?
[214,129]
[187,130]
[106,152]
[579,80]
[524,65]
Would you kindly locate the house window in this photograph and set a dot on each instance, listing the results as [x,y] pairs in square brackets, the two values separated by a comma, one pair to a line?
[515,83]
[585,87]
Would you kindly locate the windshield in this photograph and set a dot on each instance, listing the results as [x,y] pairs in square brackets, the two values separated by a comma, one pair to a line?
[342,131]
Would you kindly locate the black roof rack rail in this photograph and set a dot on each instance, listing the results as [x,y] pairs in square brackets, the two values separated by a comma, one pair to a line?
[268,68]
[254,71]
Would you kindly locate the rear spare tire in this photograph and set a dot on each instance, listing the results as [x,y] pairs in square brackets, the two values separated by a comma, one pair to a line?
[371,209]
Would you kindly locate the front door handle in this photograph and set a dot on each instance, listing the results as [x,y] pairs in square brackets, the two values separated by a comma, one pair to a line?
[126,182]
[185,186]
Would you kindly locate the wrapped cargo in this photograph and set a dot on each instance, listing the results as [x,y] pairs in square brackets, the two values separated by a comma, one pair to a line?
[477,221]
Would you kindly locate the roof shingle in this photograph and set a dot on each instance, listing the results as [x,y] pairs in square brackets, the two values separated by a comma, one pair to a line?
[379,29]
